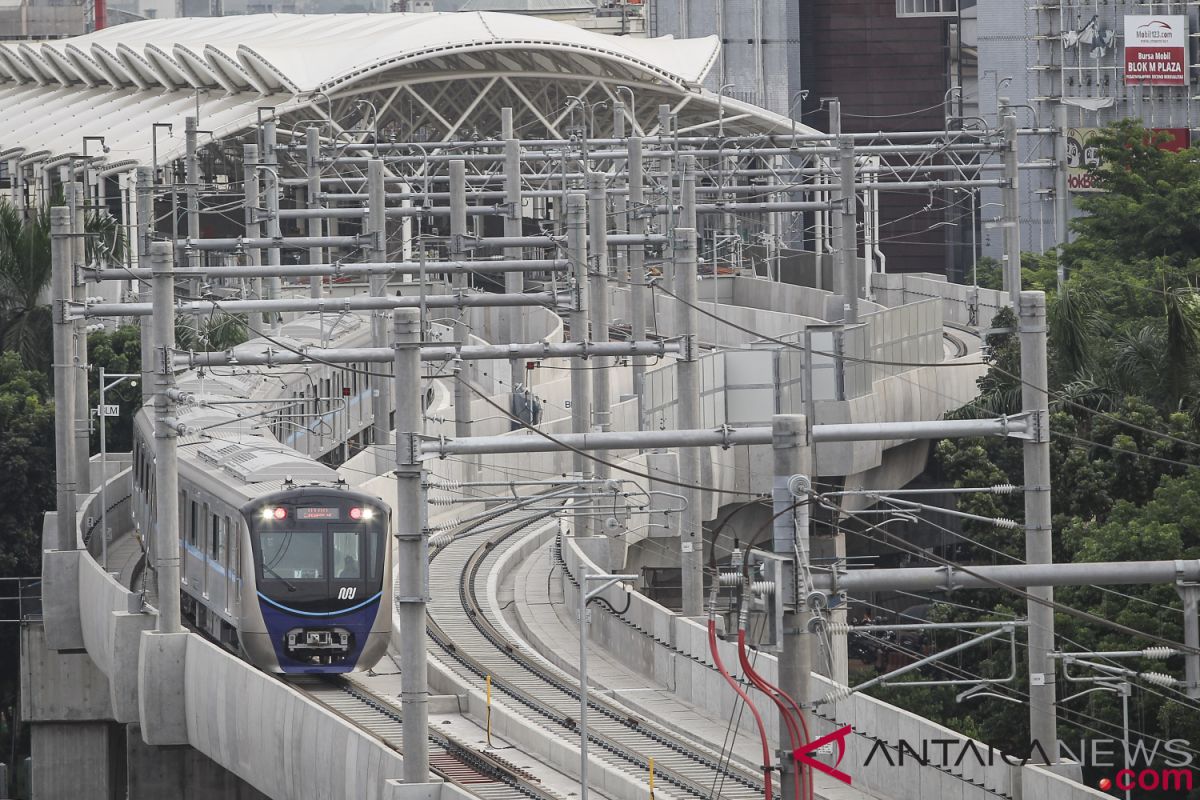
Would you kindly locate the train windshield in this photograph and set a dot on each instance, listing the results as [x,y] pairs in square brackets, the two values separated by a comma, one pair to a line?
[293,555]
[318,562]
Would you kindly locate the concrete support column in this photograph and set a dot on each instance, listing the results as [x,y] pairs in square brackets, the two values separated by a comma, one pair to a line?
[381,388]
[791,539]
[637,273]
[581,375]
[687,385]
[462,331]
[271,201]
[1062,192]
[412,544]
[852,286]
[178,772]
[83,418]
[600,317]
[166,464]
[78,759]
[1011,198]
[64,378]
[514,282]
[252,194]
[1038,533]
[312,154]
[144,190]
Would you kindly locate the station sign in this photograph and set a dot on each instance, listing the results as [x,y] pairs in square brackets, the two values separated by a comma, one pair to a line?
[1156,50]
[109,410]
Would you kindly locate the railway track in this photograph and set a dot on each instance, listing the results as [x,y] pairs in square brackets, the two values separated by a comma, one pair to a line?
[479,772]
[473,644]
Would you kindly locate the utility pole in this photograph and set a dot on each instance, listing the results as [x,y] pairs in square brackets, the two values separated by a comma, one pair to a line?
[312,153]
[381,400]
[166,455]
[687,384]
[637,273]
[462,331]
[598,278]
[1012,205]
[83,418]
[64,378]
[581,395]
[1038,533]
[790,540]
[848,227]
[144,191]
[253,197]
[271,190]
[514,282]
[191,200]
[1062,192]
[412,545]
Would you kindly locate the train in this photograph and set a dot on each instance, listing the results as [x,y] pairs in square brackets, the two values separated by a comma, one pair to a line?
[281,561]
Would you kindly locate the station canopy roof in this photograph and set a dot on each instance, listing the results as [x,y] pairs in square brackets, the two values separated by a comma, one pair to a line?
[440,74]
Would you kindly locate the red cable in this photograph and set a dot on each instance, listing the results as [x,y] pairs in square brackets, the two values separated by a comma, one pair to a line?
[775,693]
[762,730]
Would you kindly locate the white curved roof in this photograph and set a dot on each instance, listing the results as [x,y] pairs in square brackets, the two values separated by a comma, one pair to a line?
[119,81]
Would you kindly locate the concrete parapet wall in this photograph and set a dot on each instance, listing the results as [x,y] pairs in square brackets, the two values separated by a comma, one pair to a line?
[963,305]
[673,651]
[273,737]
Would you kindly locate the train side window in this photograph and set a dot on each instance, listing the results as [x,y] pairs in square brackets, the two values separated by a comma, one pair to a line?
[230,544]
[194,527]
[215,546]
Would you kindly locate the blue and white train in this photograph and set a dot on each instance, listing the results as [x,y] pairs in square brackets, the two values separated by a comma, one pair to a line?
[281,561]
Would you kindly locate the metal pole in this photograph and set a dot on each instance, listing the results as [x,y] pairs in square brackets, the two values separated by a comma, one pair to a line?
[462,331]
[791,534]
[1125,689]
[144,189]
[581,376]
[1038,533]
[1189,593]
[687,383]
[102,421]
[584,630]
[1062,192]
[83,420]
[64,379]
[1012,206]
[251,189]
[412,545]
[514,282]
[271,192]
[848,227]
[381,400]
[166,465]
[312,151]
[191,200]
[637,273]
[598,260]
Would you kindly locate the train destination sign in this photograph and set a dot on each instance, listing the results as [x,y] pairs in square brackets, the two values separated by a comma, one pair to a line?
[1156,50]
[314,512]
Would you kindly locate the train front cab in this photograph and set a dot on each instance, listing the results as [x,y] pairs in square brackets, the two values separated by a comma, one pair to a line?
[321,570]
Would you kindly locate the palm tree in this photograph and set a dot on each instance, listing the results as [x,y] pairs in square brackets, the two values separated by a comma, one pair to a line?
[25,269]
[24,276]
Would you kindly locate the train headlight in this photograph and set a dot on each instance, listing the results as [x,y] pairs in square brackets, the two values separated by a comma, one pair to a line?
[362,513]
[277,512]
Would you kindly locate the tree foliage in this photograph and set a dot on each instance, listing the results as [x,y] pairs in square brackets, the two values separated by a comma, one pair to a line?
[1124,339]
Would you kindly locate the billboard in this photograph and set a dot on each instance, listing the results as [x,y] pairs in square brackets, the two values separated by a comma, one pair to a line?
[1083,154]
[1156,50]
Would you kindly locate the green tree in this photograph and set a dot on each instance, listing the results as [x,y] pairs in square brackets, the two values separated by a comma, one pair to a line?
[25,270]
